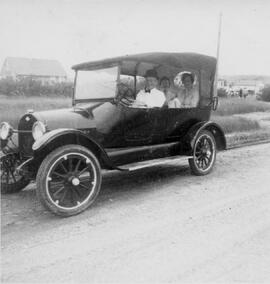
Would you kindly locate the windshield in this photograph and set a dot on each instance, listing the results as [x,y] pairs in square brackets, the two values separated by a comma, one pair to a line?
[96,84]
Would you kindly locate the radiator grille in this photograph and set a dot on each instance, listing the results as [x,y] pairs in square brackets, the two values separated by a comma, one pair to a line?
[26,140]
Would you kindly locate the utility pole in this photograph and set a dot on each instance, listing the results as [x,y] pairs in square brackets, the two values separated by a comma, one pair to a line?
[218,47]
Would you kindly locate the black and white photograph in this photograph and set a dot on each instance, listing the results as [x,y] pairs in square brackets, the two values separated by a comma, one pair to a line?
[135,141]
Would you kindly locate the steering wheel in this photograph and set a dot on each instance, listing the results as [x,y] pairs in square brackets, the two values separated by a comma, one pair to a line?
[126,98]
[125,95]
[126,101]
[130,102]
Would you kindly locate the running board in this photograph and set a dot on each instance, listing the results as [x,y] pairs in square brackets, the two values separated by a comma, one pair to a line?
[145,164]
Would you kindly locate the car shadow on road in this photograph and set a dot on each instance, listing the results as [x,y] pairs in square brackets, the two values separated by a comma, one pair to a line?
[116,186]
[140,180]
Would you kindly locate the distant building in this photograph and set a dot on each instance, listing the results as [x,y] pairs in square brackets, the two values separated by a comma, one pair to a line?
[221,84]
[46,71]
[251,86]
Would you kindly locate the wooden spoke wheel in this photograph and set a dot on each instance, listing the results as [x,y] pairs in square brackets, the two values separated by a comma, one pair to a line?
[11,180]
[204,154]
[69,180]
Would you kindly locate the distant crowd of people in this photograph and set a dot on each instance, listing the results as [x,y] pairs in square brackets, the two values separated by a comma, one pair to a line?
[239,93]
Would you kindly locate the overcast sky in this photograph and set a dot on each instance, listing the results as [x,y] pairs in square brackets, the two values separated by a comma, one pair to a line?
[73,31]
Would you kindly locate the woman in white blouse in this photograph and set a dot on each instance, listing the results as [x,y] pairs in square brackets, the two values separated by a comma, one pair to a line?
[188,95]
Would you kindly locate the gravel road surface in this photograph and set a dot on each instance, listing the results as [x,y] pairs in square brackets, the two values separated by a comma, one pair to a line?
[159,224]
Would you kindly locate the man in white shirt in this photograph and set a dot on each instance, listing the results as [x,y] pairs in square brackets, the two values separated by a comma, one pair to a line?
[150,96]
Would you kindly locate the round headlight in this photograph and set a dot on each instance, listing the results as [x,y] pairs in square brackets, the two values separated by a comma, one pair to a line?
[38,129]
[6,130]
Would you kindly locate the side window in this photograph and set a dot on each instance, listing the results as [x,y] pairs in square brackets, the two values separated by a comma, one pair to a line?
[126,87]
[140,83]
[128,81]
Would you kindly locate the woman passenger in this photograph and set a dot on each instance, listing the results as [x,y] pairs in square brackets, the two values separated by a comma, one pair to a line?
[188,95]
[165,88]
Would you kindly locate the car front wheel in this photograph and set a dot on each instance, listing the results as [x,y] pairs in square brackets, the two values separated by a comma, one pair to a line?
[69,180]
[11,180]
[204,154]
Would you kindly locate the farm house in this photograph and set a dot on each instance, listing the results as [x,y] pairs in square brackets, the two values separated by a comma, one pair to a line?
[46,71]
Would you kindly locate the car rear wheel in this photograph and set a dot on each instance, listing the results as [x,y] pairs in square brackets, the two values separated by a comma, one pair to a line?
[204,154]
[69,180]
[11,180]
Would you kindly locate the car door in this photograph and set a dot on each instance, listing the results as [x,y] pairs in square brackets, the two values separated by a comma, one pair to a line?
[139,125]
[179,121]
[172,123]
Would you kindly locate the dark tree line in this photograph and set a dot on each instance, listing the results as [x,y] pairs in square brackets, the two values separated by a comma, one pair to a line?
[31,87]
[265,95]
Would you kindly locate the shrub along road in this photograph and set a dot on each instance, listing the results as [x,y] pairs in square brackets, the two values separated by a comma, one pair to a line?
[154,225]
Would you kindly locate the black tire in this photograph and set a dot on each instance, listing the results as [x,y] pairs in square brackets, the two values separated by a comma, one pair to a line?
[69,180]
[204,154]
[11,180]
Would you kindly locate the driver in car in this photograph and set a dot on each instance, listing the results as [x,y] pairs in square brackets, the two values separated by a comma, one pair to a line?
[124,92]
[150,96]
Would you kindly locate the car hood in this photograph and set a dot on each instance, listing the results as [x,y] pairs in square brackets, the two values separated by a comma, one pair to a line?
[76,118]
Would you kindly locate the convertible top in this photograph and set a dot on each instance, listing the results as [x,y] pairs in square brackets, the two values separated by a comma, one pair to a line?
[131,63]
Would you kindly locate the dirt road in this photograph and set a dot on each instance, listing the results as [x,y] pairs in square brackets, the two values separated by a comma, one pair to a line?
[154,225]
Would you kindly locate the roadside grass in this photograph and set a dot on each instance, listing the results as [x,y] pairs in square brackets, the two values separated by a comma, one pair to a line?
[11,109]
[232,124]
[241,130]
[229,106]
[242,138]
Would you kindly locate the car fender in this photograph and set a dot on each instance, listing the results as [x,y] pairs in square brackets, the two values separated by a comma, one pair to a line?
[59,137]
[211,126]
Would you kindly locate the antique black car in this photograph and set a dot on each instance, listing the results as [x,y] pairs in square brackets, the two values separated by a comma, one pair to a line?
[64,150]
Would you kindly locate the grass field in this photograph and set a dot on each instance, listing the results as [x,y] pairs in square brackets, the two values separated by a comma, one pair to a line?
[227,110]
[232,124]
[11,109]
[229,106]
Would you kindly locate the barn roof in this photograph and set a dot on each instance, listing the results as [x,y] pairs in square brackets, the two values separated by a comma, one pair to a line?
[32,66]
